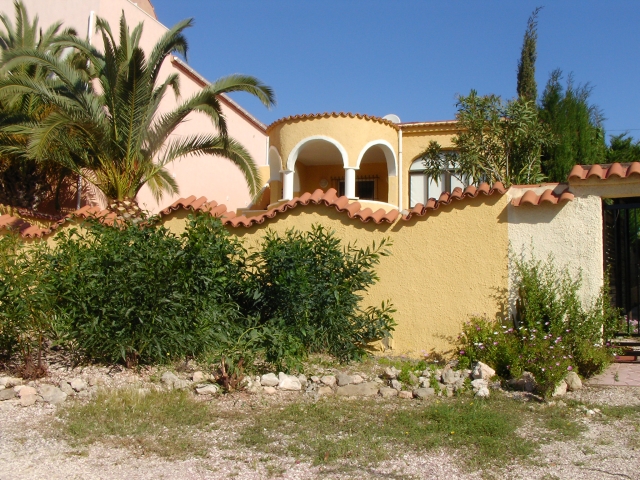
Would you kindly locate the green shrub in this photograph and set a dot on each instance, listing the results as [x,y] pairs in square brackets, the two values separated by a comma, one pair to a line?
[550,333]
[308,288]
[142,294]
[25,302]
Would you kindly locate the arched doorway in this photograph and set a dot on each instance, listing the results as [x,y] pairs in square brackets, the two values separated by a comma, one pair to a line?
[376,176]
[316,162]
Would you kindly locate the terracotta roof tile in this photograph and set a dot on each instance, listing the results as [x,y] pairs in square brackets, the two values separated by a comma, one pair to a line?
[310,116]
[457,194]
[330,199]
[552,195]
[604,171]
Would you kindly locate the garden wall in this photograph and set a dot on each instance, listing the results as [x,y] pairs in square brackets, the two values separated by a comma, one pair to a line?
[443,267]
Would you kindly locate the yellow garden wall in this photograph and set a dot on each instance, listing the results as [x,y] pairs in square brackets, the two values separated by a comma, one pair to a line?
[443,267]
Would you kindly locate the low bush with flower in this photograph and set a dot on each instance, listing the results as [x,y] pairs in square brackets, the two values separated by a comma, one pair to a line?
[550,333]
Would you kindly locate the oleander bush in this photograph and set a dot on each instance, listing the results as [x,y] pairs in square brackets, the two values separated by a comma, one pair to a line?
[138,293]
[308,290]
[550,333]
[26,303]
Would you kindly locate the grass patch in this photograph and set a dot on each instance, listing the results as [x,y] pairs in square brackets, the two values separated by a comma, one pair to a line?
[370,431]
[166,424]
[560,422]
[619,412]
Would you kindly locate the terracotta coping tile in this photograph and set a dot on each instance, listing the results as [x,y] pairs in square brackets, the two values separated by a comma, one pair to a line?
[550,195]
[309,116]
[604,171]
[457,194]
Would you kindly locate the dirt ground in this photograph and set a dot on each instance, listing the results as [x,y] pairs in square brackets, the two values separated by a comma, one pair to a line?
[28,450]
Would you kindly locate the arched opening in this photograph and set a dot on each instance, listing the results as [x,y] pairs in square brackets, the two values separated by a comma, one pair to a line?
[317,163]
[376,177]
[372,178]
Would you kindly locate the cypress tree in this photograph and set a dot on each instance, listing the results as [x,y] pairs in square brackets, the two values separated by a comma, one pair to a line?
[575,124]
[527,87]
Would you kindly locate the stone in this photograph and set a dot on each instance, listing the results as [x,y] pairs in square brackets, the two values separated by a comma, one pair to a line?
[378,380]
[209,389]
[288,382]
[329,380]
[52,394]
[483,393]
[303,380]
[93,381]
[7,394]
[66,388]
[573,381]
[466,373]
[269,390]
[448,375]
[396,384]
[269,380]
[28,400]
[356,379]
[405,394]
[315,379]
[449,390]
[391,373]
[458,385]
[413,380]
[26,391]
[343,379]
[368,389]
[325,390]
[483,371]
[427,373]
[388,392]
[479,383]
[423,393]
[181,384]
[9,382]
[560,390]
[526,382]
[198,377]
[78,384]
[168,378]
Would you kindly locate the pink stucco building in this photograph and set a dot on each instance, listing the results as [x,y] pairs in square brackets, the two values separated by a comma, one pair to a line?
[208,176]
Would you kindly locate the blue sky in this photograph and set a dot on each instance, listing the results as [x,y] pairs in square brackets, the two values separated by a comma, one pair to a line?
[411,58]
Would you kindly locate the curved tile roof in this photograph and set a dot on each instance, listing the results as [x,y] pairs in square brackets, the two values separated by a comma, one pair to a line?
[604,171]
[329,198]
[458,194]
[550,195]
[310,116]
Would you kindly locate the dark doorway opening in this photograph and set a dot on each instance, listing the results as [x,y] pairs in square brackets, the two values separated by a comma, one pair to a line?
[622,257]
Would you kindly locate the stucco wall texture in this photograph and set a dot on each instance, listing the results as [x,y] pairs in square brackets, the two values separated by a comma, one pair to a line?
[571,233]
[443,267]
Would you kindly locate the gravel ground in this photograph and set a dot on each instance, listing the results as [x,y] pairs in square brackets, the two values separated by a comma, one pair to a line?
[608,449]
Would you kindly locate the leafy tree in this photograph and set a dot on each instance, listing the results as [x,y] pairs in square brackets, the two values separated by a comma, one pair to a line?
[575,124]
[622,149]
[107,128]
[24,182]
[498,142]
[527,88]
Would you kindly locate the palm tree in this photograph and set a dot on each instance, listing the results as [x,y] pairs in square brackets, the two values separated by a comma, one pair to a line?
[23,182]
[107,127]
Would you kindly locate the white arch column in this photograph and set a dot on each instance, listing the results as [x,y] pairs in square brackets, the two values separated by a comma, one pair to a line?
[287,184]
[350,182]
